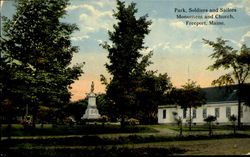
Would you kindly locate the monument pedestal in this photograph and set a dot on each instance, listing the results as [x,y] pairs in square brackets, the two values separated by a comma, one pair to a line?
[91,111]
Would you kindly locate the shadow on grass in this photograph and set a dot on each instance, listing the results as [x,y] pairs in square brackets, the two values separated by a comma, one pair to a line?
[75,130]
[205,127]
[101,141]
[99,146]
[97,151]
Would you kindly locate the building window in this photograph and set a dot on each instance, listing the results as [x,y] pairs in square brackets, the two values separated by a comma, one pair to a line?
[184,113]
[217,112]
[164,114]
[228,112]
[204,113]
[194,113]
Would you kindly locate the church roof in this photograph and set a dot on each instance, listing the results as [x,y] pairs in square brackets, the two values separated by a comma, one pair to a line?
[220,94]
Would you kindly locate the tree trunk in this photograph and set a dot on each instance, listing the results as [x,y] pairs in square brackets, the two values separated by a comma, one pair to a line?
[239,105]
[9,130]
[122,122]
[234,128]
[210,129]
[34,120]
[190,118]
[0,132]
[180,129]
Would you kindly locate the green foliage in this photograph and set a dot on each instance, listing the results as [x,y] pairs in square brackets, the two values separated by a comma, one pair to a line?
[38,48]
[75,109]
[150,94]
[8,110]
[124,54]
[210,119]
[132,91]
[232,118]
[179,123]
[238,61]
[190,96]
[133,121]
[245,93]
[105,107]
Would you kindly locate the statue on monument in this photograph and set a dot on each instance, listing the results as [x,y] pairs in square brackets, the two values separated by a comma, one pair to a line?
[91,112]
[92,87]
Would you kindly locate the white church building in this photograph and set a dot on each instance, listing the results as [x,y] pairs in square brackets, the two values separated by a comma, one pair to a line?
[220,103]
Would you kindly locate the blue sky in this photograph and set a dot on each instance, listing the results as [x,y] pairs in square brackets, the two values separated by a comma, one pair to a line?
[176,47]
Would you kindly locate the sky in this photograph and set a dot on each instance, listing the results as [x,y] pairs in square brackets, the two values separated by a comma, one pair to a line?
[177,48]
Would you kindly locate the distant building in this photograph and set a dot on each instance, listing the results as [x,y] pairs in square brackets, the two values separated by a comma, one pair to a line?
[221,103]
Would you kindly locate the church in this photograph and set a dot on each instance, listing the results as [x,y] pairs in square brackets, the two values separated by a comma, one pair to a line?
[221,103]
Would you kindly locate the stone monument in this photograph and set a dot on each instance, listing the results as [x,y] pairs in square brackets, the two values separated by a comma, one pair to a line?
[91,111]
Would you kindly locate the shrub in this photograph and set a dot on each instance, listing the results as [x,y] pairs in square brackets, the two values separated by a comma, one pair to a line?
[133,121]
[104,119]
[210,119]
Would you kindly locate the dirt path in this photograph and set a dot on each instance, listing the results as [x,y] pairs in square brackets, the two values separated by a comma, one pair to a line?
[215,147]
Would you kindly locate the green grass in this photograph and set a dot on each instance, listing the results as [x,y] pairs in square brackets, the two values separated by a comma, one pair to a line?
[96,151]
[94,145]
[48,130]
[97,140]
[90,144]
[204,128]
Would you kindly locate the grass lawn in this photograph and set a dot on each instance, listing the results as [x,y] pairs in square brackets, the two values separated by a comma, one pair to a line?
[59,130]
[110,140]
[199,128]
[133,145]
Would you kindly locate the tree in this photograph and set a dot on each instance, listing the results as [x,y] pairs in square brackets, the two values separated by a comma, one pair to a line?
[233,119]
[190,96]
[150,94]
[210,119]
[38,46]
[105,108]
[124,54]
[46,115]
[229,59]
[179,123]
[76,109]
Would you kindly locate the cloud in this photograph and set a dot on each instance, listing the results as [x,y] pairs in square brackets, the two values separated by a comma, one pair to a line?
[73,7]
[80,37]
[162,45]
[1,4]
[245,38]
[235,43]
[244,4]
[178,24]
[97,3]
[184,46]
[100,3]
[93,19]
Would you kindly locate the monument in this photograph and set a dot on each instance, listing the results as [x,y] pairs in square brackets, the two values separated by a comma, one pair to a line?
[91,111]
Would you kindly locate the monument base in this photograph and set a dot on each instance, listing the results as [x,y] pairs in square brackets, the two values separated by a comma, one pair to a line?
[91,113]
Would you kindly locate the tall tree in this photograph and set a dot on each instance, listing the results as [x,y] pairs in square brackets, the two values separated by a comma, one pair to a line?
[238,61]
[124,54]
[150,94]
[190,96]
[38,45]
